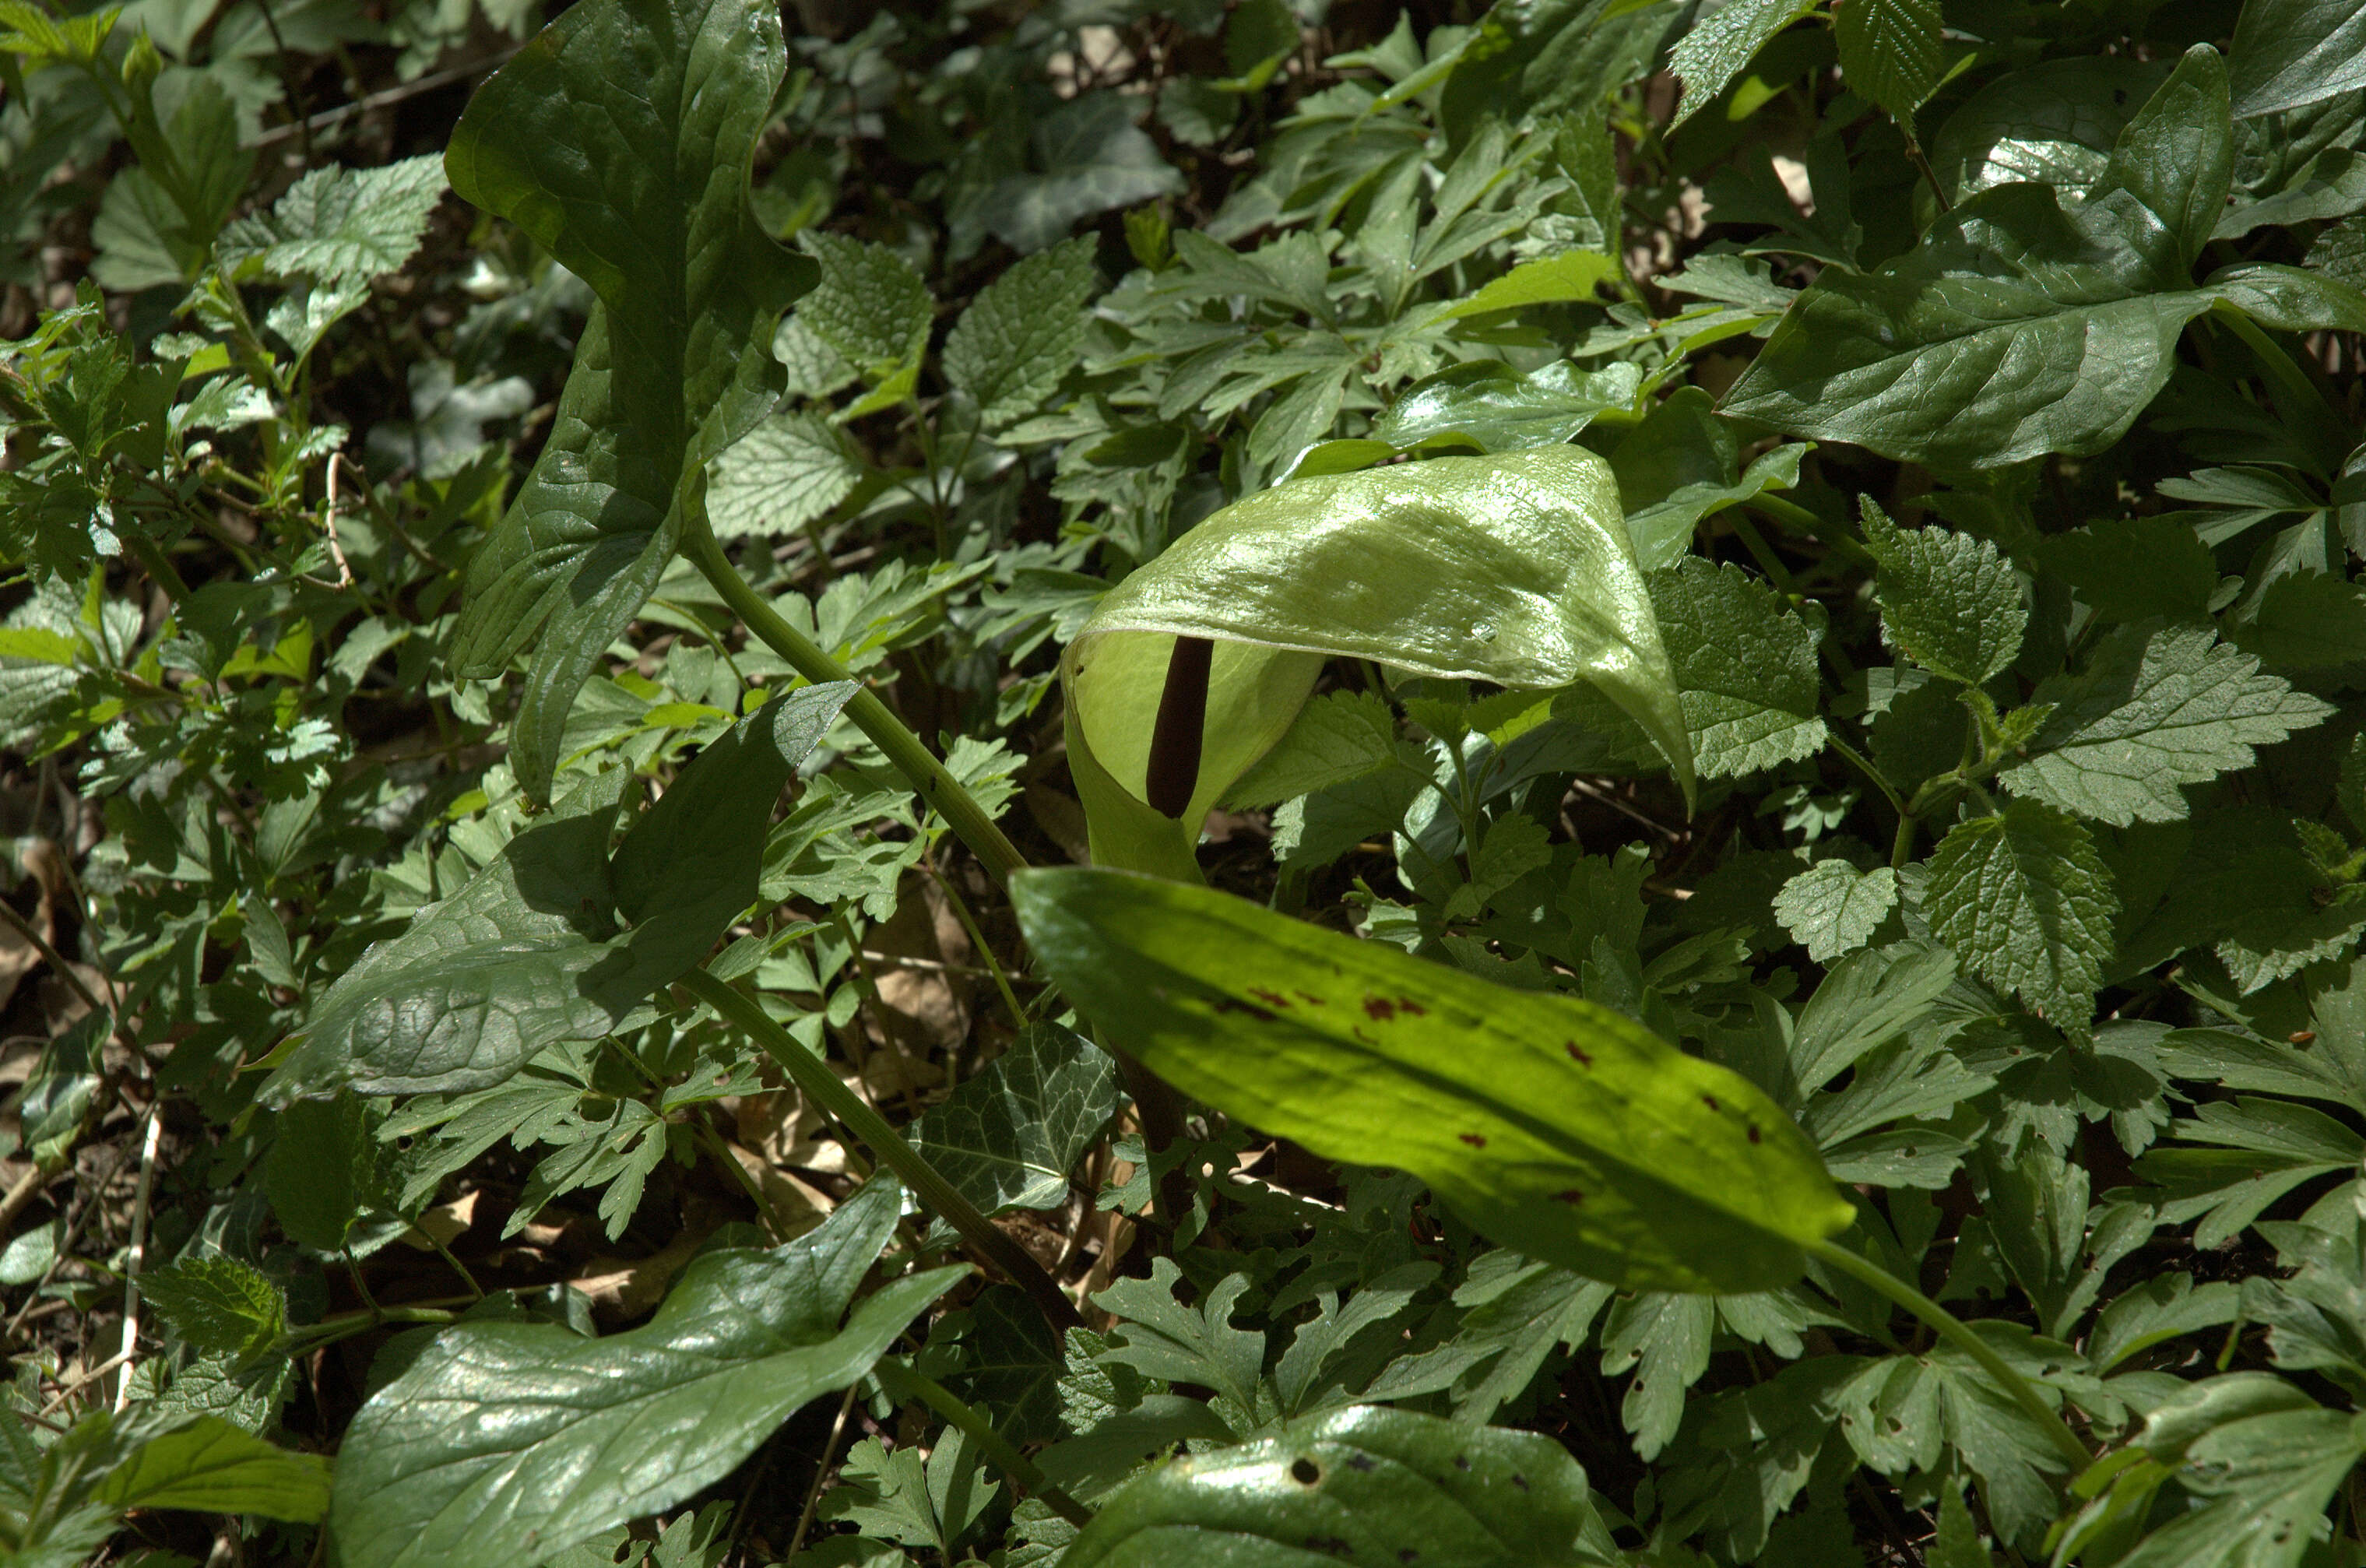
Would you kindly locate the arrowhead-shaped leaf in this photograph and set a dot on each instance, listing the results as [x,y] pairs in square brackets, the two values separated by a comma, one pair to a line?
[504,1443]
[620,138]
[1552,1125]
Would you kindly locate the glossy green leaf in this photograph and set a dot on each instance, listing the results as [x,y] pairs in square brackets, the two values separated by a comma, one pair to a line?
[1572,275]
[1008,1136]
[1488,406]
[1552,1125]
[619,138]
[505,1442]
[2289,53]
[179,1461]
[2021,324]
[1512,568]
[2054,123]
[1681,464]
[1360,1487]
[1715,49]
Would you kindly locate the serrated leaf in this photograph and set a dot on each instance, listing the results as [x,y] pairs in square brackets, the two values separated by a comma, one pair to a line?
[1089,157]
[2149,715]
[1008,1136]
[1949,601]
[1362,1485]
[1745,668]
[219,1304]
[1337,738]
[787,472]
[870,305]
[1536,1117]
[2023,898]
[507,1441]
[670,369]
[338,225]
[899,1496]
[1889,52]
[324,1170]
[1715,51]
[1023,332]
[1832,908]
[1161,1337]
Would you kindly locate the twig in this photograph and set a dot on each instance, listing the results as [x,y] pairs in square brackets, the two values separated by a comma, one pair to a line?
[329,526]
[382,99]
[68,1389]
[23,1192]
[821,1473]
[138,1250]
[74,1225]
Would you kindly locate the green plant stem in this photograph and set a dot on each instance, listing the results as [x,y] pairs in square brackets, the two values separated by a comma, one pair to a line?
[906,1384]
[813,1076]
[1791,515]
[1958,1333]
[2298,398]
[919,767]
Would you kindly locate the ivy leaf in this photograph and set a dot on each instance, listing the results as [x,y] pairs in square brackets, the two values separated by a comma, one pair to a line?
[1949,602]
[671,367]
[1832,908]
[1089,157]
[1023,332]
[2289,53]
[1745,668]
[2025,899]
[1714,51]
[1358,1486]
[787,472]
[1536,1117]
[2150,715]
[504,1442]
[1008,1136]
[1889,52]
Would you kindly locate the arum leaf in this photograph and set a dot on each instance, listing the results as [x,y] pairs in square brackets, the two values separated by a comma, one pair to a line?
[671,367]
[506,1442]
[528,952]
[1367,1486]
[1514,569]
[1551,1125]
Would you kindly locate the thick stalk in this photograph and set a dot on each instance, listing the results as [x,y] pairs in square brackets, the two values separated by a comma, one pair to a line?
[814,1077]
[1956,1332]
[939,789]
[972,1423]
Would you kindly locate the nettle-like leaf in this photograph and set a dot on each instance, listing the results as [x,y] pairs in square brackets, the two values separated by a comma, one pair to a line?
[1023,332]
[620,139]
[2150,715]
[1550,1124]
[1360,1487]
[1745,669]
[1890,51]
[1832,908]
[2023,897]
[1715,51]
[1949,602]
[528,953]
[1512,568]
[506,1442]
